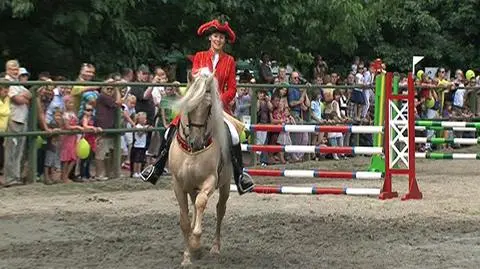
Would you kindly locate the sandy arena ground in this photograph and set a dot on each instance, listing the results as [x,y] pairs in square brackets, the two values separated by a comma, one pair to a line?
[127,224]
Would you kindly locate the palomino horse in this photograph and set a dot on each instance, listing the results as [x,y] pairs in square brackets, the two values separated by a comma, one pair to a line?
[199,161]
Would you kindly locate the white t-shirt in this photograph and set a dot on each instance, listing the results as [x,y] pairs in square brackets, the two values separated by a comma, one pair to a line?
[359,81]
[459,95]
[140,138]
[18,113]
[131,112]
[157,93]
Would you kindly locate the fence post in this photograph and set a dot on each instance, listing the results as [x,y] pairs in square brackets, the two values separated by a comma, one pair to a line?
[117,152]
[253,120]
[31,141]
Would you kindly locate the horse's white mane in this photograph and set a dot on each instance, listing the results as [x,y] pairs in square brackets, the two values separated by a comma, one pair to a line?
[195,94]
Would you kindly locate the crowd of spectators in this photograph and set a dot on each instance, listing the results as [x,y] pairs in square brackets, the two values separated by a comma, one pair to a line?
[85,108]
[81,108]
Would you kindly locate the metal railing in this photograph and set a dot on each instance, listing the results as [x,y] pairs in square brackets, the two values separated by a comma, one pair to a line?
[34,132]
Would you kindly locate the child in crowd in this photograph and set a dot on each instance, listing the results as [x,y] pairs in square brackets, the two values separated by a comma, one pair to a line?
[128,121]
[139,148]
[279,116]
[242,103]
[317,111]
[263,114]
[447,114]
[283,92]
[88,98]
[332,109]
[344,101]
[68,154]
[52,153]
[284,137]
[88,123]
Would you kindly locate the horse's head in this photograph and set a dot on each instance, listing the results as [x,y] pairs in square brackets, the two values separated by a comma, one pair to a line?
[201,97]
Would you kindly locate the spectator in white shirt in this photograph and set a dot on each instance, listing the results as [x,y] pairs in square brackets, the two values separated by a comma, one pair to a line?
[368,92]
[15,147]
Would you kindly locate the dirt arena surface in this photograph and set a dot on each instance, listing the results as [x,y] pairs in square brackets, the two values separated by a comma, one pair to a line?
[127,224]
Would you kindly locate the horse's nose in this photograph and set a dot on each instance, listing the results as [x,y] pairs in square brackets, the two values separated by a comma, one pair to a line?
[197,144]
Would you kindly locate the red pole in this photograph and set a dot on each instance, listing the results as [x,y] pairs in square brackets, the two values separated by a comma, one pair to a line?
[413,190]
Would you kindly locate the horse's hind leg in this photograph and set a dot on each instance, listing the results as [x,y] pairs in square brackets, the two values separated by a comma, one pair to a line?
[224,193]
[200,205]
[184,222]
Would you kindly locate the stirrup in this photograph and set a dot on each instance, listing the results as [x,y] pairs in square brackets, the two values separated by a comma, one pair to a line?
[147,173]
[249,188]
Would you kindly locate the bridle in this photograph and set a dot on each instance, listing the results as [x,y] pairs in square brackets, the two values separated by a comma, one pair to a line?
[190,124]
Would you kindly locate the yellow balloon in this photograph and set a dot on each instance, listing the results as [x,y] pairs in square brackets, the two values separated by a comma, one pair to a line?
[39,141]
[83,149]
[243,136]
[430,103]
[470,74]
[420,74]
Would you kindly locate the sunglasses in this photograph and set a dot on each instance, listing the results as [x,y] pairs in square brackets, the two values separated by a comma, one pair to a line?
[88,110]
[295,77]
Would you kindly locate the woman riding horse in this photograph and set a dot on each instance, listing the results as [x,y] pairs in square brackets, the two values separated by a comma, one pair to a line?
[223,65]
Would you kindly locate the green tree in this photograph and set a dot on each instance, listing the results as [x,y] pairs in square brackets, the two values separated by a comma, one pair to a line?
[58,36]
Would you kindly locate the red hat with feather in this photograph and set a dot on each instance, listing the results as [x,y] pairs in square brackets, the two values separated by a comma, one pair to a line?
[216,26]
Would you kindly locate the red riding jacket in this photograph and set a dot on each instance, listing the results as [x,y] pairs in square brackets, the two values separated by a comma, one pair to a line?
[225,73]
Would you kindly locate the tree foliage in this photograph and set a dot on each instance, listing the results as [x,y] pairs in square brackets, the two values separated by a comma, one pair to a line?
[58,35]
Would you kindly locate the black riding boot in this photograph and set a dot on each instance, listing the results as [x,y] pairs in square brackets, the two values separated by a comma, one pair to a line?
[243,181]
[152,173]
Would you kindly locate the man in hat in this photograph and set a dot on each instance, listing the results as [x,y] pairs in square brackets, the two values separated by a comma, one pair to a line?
[205,62]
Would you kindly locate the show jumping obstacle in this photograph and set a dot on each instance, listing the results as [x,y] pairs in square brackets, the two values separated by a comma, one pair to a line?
[312,149]
[310,190]
[313,174]
[400,127]
[448,125]
[447,156]
[354,129]
[439,128]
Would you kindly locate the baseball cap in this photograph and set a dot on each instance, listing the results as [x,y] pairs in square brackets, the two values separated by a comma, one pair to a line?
[23,71]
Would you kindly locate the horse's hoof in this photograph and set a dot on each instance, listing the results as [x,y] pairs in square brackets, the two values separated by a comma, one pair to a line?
[215,250]
[186,263]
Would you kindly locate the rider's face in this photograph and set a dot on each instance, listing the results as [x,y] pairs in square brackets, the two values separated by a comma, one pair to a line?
[217,41]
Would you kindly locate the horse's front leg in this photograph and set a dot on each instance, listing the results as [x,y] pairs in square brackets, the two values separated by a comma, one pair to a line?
[224,192]
[184,221]
[193,198]
[200,205]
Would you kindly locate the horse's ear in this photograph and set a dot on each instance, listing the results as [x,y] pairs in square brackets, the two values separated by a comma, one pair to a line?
[190,77]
